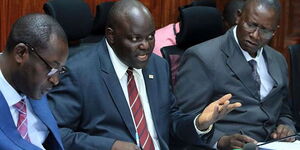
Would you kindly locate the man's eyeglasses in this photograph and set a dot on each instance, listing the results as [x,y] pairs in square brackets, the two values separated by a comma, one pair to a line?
[264,33]
[52,71]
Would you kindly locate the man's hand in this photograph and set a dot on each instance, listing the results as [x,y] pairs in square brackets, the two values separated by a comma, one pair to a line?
[235,141]
[121,145]
[283,131]
[215,111]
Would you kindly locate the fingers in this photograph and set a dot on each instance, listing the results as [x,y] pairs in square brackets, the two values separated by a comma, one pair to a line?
[226,108]
[283,131]
[234,141]
[223,99]
[247,139]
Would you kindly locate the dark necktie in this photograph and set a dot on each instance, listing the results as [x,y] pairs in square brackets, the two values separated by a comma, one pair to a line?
[138,113]
[255,74]
[22,121]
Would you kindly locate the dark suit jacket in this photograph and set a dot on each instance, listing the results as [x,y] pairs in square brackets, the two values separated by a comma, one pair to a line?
[92,111]
[217,67]
[10,138]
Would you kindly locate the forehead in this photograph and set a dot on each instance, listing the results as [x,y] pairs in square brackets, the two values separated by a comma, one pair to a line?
[56,51]
[136,21]
[261,15]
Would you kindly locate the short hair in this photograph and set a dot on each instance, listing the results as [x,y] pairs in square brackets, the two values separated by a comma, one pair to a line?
[231,9]
[34,29]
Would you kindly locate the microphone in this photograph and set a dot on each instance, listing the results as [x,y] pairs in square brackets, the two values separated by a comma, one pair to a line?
[280,139]
[250,146]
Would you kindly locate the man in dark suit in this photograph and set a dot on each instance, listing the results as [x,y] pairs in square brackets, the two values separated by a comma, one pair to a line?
[223,65]
[117,94]
[35,51]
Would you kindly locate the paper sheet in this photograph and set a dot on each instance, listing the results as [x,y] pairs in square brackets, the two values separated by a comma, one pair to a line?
[281,146]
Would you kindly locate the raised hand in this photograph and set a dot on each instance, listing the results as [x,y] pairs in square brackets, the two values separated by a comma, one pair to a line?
[215,111]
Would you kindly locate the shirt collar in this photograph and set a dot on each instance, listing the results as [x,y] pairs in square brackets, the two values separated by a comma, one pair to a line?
[10,94]
[119,66]
[245,53]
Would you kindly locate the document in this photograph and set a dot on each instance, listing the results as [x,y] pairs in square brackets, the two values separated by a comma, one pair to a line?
[281,146]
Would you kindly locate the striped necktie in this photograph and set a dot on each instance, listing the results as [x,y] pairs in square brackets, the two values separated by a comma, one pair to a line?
[138,113]
[22,121]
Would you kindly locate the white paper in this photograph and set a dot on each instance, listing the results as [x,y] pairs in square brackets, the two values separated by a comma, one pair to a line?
[281,146]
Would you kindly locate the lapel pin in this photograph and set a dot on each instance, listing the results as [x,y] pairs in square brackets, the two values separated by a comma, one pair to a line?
[151,76]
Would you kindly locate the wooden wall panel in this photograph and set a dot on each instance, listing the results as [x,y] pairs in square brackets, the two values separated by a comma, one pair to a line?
[163,11]
[13,9]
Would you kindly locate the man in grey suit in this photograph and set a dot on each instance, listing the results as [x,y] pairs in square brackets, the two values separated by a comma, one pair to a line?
[240,62]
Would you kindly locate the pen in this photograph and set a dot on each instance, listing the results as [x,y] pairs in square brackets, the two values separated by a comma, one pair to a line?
[137,139]
[242,132]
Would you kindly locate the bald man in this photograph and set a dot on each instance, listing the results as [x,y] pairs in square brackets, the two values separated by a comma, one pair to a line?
[117,96]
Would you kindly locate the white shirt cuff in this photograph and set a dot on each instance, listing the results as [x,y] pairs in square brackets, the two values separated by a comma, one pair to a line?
[199,132]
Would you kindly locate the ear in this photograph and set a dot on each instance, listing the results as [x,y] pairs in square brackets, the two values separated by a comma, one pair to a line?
[238,16]
[109,34]
[21,53]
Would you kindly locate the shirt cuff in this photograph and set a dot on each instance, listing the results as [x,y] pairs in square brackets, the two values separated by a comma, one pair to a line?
[199,132]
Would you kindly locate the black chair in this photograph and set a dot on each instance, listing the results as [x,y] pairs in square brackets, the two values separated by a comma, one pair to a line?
[198,24]
[102,11]
[98,30]
[294,51]
[75,18]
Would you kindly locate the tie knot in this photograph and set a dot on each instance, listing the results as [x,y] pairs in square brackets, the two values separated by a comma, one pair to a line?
[129,71]
[21,106]
[253,63]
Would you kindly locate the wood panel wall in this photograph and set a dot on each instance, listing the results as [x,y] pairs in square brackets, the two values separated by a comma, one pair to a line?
[164,12]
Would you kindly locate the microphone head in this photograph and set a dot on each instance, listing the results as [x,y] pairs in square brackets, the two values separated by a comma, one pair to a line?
[249,146]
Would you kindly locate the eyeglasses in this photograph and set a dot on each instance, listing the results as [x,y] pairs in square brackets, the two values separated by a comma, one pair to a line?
[263,32]
[52,71]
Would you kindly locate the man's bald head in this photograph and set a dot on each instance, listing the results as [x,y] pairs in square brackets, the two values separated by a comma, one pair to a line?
[126,9]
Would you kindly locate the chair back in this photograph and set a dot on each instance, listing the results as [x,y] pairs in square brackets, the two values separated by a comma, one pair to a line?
[294,51]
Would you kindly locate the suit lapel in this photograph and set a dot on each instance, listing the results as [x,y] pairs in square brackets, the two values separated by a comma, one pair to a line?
[8,127]
[42,111]
[238,64]
[113,85]
[151,87]
[150,78]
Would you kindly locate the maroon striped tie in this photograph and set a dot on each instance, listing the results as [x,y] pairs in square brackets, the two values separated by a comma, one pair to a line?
[22,121]
[138,113]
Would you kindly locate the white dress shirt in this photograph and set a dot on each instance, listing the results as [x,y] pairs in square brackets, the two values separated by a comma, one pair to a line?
[267,82]
[37,131]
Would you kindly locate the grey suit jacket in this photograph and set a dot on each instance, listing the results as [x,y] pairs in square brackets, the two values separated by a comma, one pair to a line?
[217,67]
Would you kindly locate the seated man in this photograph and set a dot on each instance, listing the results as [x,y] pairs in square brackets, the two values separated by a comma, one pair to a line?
[117,96]
[240,62]
[35,52]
